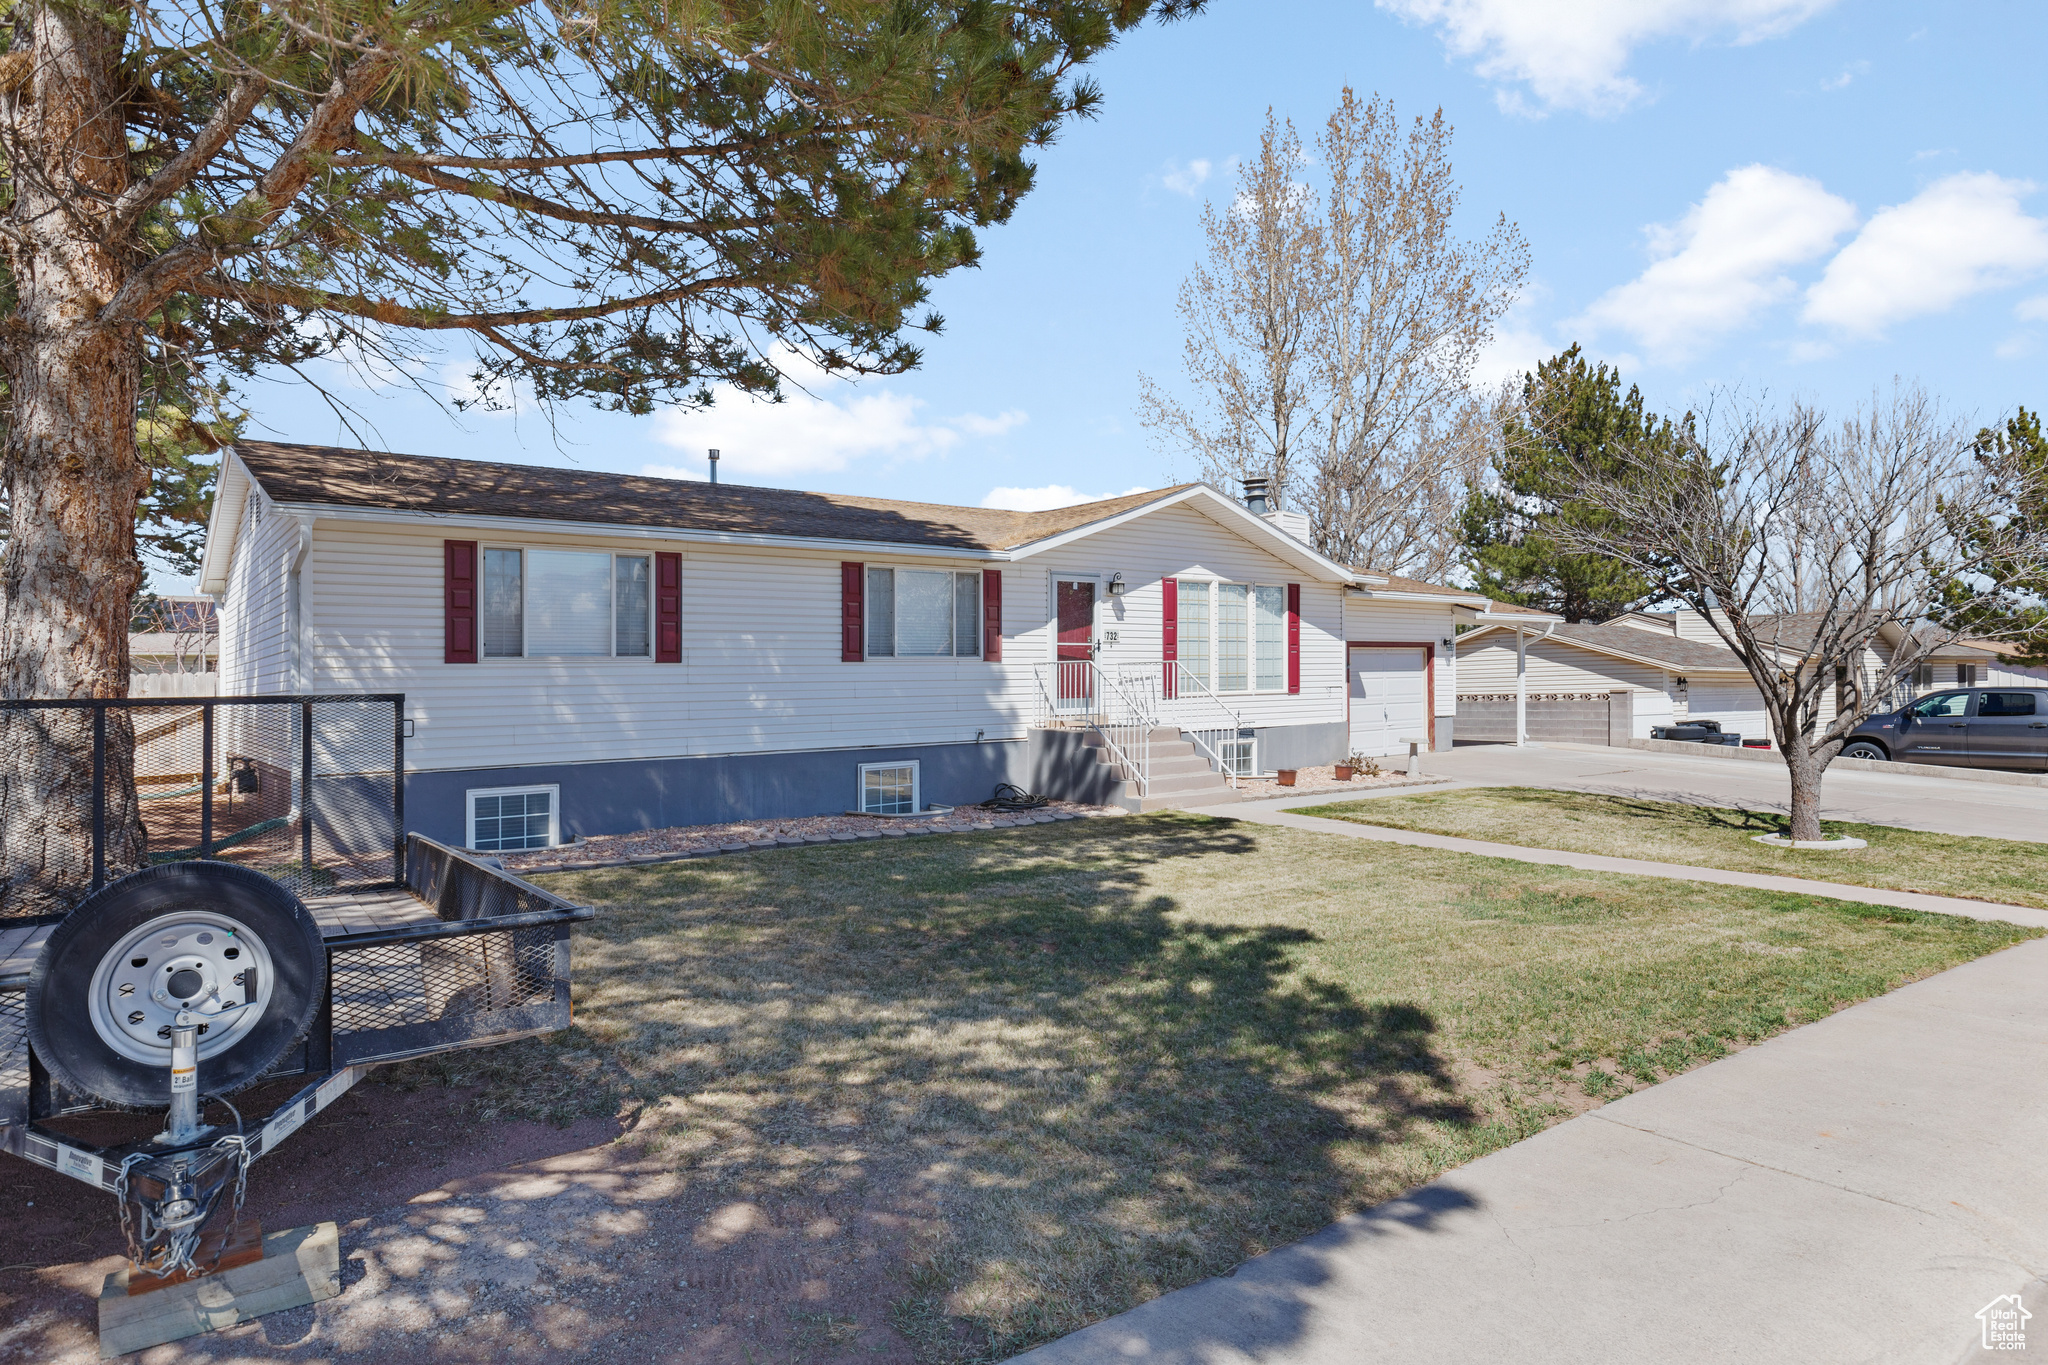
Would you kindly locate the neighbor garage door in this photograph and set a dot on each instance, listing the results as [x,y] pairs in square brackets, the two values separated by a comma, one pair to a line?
[1737,706]
[1389,698]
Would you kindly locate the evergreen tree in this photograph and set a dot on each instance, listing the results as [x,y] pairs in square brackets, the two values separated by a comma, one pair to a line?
[1569,412]
[622,202]
[2007,595]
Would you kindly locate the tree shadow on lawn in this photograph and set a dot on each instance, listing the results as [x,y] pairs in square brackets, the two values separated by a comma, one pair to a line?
[1081,1093]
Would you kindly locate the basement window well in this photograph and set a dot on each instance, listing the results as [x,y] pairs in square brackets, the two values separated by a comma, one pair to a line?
[888,788]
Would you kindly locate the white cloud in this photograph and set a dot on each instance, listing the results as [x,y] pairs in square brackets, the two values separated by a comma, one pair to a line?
[1848,76]
[1572,54]
[1960,236]
[810,434]
[1045,498]
[2034,309]
[1185,179]
[1724,262]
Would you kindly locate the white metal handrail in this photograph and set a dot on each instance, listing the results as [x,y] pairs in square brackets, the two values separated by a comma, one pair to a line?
[1181,699]
[1077,691]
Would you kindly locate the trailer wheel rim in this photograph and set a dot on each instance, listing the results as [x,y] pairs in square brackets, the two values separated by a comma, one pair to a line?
[197,960]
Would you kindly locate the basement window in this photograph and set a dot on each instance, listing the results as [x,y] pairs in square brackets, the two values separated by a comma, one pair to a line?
[888,788]
[506,819]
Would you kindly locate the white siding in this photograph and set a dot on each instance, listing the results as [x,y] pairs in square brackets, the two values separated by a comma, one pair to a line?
[1487,665]
[1180,543]
[255,613]
[761,634]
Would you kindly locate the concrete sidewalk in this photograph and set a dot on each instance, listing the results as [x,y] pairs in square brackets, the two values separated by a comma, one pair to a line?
[1853,1191]
[1909,800]
[1268,813]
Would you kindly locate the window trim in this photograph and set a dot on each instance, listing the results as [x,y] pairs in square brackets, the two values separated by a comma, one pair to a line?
[867,614]
[525,550]
[1251,659]
[554,791]
[860,784]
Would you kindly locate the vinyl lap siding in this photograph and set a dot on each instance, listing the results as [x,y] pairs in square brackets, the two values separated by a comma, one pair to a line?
[760,670]
[1488,667]
[255,615]
[1179,543]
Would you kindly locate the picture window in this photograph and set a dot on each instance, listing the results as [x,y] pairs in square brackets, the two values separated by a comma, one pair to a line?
[566,604]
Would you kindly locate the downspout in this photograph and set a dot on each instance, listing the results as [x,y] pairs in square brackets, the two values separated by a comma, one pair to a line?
[295,600]
[1522,681]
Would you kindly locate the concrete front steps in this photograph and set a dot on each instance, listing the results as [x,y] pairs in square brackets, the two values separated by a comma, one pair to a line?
[1181,774]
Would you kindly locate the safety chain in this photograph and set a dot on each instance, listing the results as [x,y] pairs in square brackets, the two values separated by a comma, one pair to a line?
[171,1227]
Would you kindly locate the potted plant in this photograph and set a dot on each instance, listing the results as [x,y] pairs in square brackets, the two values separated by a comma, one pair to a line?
[1285,776]
[1345,770]
[1358,765]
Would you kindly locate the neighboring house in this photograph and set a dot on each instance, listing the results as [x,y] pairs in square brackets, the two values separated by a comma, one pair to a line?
[177,651]
[179,635]
[1674,667]
[599,653]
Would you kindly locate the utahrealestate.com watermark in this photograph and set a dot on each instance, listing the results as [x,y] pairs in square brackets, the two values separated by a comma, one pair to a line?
[2005,1324]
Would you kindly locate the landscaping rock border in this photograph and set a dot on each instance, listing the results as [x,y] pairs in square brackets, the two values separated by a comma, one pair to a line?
[677,843]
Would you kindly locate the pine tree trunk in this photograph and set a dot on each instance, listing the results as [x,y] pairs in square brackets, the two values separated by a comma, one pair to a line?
[72,472]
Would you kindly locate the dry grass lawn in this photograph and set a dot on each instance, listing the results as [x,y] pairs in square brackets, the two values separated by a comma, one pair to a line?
[1090,1063]
[2010,871]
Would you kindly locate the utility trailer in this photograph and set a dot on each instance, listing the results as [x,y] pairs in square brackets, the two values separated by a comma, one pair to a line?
[288,926]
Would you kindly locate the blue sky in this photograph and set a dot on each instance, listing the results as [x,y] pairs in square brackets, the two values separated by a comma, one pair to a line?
[1799,196]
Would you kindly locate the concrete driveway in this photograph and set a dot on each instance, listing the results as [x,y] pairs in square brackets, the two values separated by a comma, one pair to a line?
[1853,1191]
[1914,802]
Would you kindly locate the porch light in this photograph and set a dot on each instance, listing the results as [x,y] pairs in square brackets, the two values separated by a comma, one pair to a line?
[1116,585]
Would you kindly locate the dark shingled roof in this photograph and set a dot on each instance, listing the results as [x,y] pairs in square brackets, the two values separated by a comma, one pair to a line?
[1639,643]
[336,477]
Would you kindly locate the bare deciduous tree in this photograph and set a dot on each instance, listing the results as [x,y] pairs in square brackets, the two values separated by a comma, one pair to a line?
[1330,336]
[1827,556]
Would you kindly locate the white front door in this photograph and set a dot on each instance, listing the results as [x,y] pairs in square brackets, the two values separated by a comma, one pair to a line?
[1389,699]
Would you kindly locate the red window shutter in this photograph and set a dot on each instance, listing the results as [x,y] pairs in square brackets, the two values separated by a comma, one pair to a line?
[1169,633]
[1294,637]
[458,601]
[668,608]
[852,587]
[992,615]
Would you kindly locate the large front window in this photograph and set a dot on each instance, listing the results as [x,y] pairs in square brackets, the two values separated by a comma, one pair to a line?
[923,614]
[1233,636]
[565,604]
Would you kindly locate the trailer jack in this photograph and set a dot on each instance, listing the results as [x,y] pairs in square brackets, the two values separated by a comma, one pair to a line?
[170,1191]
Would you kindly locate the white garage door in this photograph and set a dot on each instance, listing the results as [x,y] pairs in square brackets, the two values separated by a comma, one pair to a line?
[1737,706]
[1389,699]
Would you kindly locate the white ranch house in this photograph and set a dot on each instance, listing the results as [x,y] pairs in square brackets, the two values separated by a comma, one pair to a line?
[587,653]
[1659,667]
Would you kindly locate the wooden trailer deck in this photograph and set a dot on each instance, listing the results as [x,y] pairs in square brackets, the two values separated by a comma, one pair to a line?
[338,913]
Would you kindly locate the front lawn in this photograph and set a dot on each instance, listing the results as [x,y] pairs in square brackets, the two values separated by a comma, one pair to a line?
[1081,1065]
[2010,871]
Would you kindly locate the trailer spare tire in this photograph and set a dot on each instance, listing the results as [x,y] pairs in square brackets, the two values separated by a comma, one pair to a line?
[197,936]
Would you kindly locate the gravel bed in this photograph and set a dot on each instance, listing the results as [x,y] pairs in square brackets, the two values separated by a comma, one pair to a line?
[701,841]
[1316,781]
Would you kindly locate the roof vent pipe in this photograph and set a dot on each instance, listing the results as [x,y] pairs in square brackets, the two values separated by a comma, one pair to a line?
[1255,494]
[714,466]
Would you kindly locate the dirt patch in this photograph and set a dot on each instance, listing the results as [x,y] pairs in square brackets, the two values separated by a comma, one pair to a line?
[494,1242]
